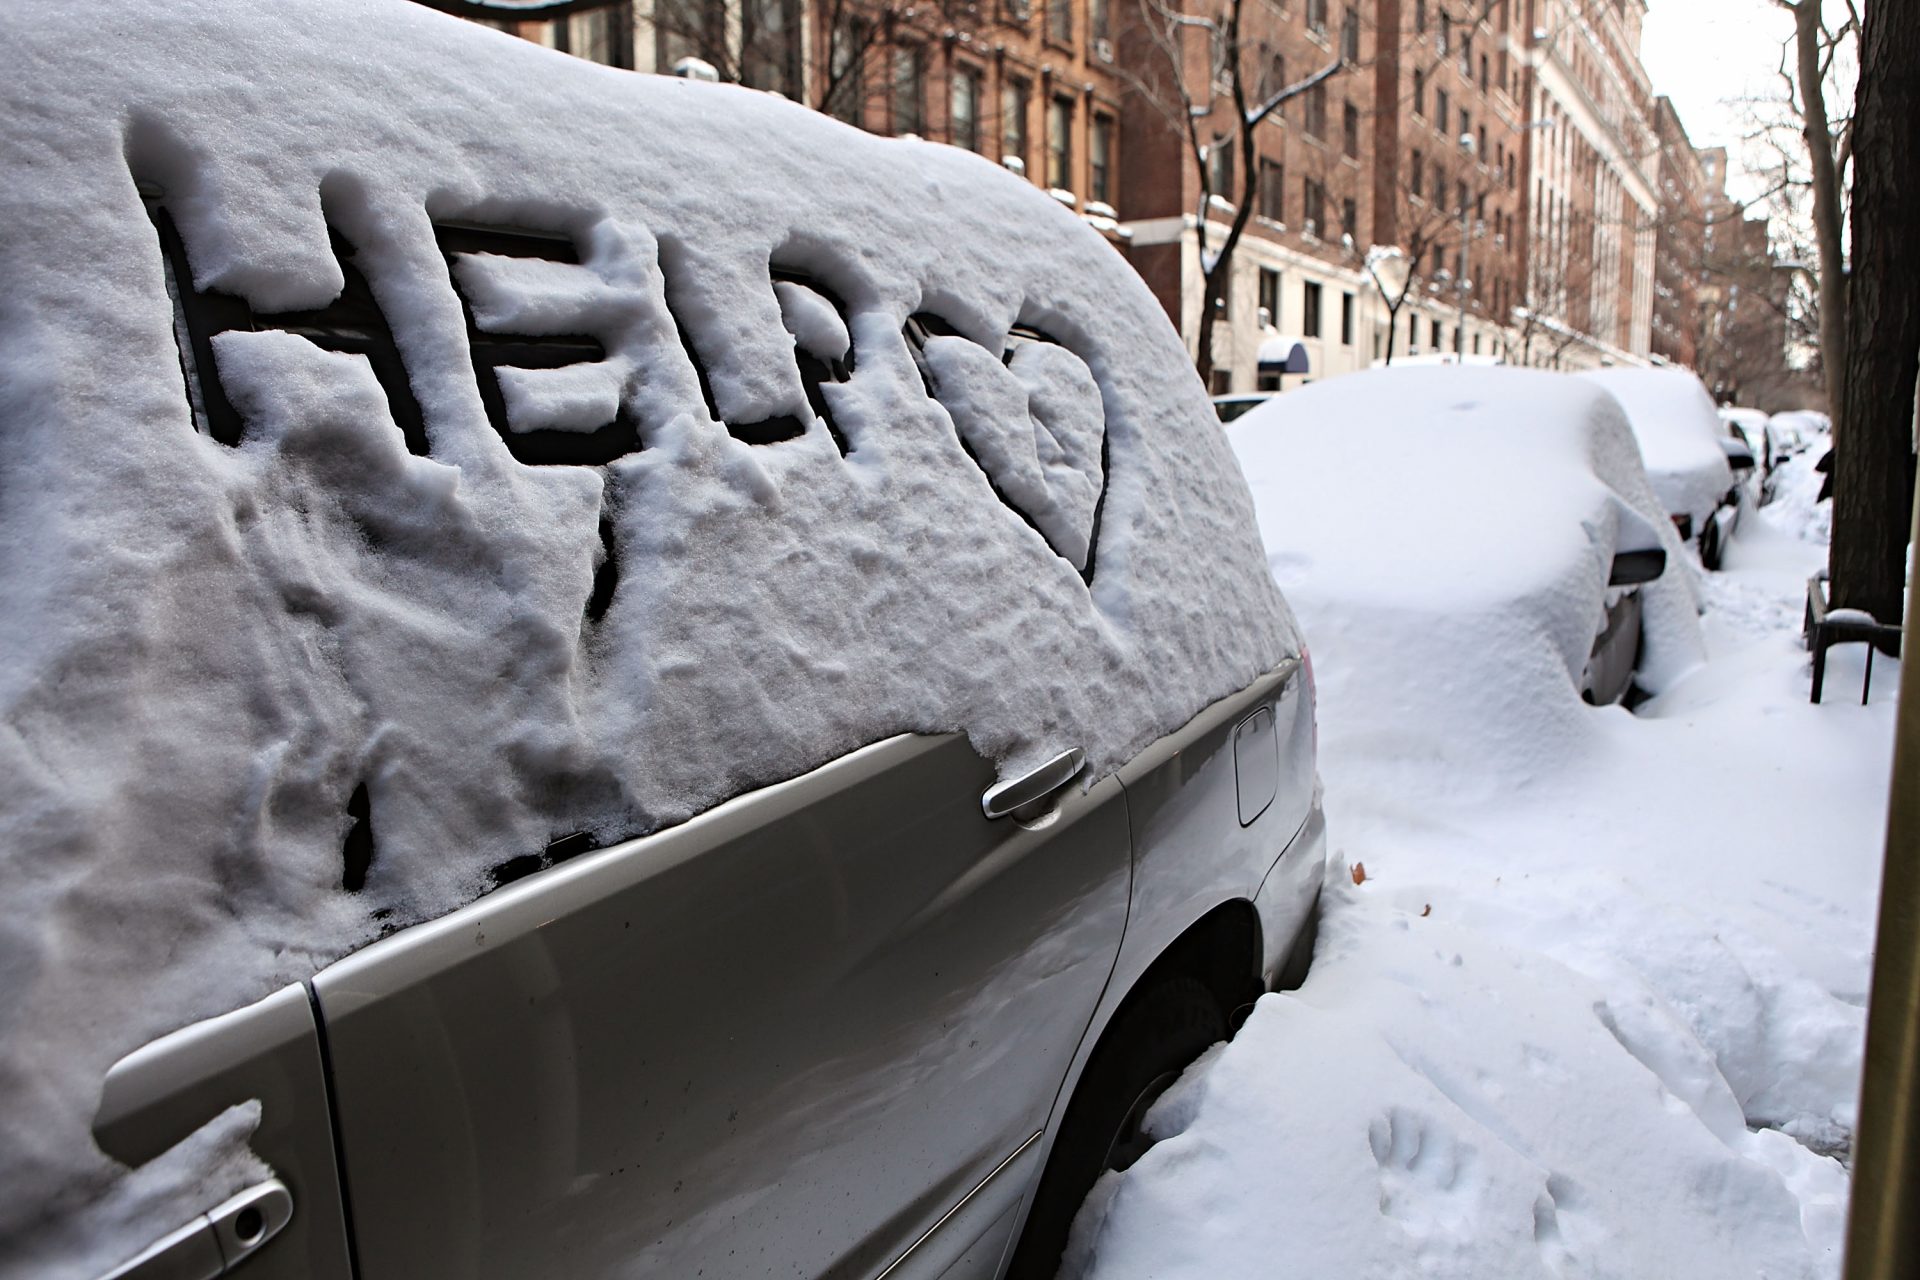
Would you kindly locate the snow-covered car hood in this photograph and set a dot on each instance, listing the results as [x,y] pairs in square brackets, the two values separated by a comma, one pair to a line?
[211,649]
[1679,433]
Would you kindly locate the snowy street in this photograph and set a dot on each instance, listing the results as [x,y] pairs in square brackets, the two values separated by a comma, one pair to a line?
[1592,1008]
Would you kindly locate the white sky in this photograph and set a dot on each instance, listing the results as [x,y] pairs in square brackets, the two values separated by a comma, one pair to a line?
[1708,54]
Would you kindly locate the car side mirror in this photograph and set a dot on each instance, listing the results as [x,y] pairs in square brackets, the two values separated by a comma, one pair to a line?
[1631,568]
[1739,456]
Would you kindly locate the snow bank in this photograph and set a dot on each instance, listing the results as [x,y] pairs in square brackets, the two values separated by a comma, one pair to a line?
[1454,528]
[1679,433]
[210,648]
[1433,1103]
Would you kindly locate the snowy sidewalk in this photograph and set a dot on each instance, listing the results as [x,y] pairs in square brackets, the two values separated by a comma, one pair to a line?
[1594,1010]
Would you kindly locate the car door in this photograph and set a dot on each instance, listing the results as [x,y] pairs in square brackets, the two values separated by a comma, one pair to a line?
[786,1037]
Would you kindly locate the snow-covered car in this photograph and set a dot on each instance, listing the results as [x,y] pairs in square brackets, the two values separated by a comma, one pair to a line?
[1689,459]
[1749,426]
[603,676]
[1796,430]
[1508,502]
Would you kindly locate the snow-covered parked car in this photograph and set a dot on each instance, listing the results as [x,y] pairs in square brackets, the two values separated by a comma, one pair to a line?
[1507,502]
[602,675]
[1794,431]
[1748,429]
[1689,458]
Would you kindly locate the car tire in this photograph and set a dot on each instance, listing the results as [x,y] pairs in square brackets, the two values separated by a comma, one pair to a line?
[1154,1037]
[1710,543]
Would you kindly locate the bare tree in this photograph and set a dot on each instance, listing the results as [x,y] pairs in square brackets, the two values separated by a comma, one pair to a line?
[1873,461]
[1438,200]
[1828,146]
[1194,68]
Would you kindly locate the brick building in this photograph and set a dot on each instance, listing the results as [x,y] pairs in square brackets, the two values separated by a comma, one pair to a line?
[1028,83]
[1688,198]
[1297,276]
[1451,137]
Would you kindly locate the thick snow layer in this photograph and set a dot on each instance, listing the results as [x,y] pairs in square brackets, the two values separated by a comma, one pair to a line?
[1679,433]
[1478,509]
[1595,1007]
[208,648]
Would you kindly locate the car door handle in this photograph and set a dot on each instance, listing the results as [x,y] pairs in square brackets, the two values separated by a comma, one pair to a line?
[217,1241]
[1020,796]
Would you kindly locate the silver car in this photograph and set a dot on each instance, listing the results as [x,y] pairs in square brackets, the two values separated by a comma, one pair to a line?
[889,1014]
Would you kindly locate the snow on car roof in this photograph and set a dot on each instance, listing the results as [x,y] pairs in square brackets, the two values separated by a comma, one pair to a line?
[382,585]
[1679,432]
[1478,509]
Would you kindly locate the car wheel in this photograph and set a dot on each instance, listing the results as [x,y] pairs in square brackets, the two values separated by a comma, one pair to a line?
[1710,543]
[1149,1043]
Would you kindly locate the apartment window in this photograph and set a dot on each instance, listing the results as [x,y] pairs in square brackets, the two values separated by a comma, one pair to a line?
[1434,336]
[1276,81]
[1317,16]
[1350,217]
[1350,35]
[1419,91]
[1273,190]
[909,89]
[1413,334]
[1220,168]
[1466,55]
[1102,159]
[1314,211]
[1099,19]
[1446,33]
[1466,124]
[1350,130]
[1418,172]
[1460,194]
[1482,153]
[1484,77]
[1270,295]
[1220,383]
[1346,319]
[770,45]
[1317,111]
[1060,144]
[1440,111]
[846,65]
[1015,95]
[965,119]
[1310,310]
[1420,16]
[602,35]
[1060,21]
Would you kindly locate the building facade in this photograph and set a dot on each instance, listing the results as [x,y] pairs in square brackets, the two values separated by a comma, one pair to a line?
[1544,209]
[1297,278]
[1593,204]
[1688,200]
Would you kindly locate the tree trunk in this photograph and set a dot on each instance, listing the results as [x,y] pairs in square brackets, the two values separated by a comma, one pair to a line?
[1873,444]
[1827,216]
